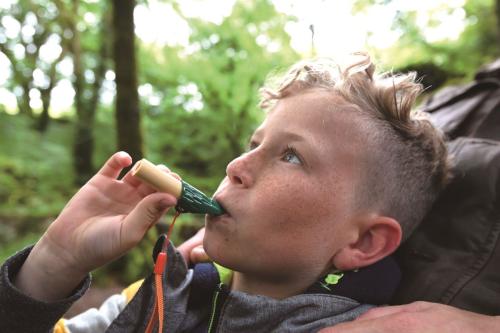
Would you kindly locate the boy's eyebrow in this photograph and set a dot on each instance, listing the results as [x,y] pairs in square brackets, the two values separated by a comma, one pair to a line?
[290,135]
[294,136]
[311,153]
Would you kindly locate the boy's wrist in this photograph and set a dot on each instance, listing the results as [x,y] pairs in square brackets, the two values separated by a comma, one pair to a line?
[46,274]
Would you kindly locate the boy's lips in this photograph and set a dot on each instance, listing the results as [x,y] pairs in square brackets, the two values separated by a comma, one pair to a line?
[223,205]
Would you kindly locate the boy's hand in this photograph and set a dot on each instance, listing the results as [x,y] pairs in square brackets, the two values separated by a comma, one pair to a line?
[105,219]
[192,249]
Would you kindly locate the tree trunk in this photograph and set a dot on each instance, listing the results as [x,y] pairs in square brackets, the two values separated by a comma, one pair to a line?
[104,56]
[23,101]
[127,98]
[44,118]
[83,144]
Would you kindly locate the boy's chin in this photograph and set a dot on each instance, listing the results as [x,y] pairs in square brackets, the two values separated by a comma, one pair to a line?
[216,250]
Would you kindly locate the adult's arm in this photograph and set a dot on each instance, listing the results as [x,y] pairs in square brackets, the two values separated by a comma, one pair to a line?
[419,317]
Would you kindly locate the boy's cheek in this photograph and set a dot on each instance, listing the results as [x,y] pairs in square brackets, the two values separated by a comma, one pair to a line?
[290,211]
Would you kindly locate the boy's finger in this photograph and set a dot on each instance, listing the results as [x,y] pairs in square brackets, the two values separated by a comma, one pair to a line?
[191,243]
[115,164]
[188,247]
[145,190]
[131,180]
[198,255]
[143,216]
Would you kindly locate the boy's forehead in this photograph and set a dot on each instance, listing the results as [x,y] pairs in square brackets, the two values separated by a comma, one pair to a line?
[313,108]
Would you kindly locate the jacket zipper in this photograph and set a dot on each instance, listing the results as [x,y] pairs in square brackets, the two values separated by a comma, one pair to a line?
[217,302]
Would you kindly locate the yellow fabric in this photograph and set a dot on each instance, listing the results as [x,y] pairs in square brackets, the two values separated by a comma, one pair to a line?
[60,327]
[128,292]
[131,290]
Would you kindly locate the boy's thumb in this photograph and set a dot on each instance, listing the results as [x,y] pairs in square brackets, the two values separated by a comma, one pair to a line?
[147,212]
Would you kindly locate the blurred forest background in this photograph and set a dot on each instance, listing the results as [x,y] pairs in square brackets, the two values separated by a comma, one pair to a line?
[188,105]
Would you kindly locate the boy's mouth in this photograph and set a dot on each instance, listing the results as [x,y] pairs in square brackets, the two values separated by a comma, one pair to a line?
[226,211]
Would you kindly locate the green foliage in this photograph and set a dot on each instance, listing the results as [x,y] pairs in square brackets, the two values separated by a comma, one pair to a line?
[458,59]
[35,169]
[36,175]
[35,180]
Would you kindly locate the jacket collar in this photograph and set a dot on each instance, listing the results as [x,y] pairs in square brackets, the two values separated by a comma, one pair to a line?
[374,284]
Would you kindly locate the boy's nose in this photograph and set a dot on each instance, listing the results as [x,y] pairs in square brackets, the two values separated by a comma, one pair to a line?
[239,170]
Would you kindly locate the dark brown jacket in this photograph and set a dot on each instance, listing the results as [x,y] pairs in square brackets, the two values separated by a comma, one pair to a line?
[454,256]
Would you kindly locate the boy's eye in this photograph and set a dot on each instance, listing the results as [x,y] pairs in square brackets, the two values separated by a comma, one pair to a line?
[291,156]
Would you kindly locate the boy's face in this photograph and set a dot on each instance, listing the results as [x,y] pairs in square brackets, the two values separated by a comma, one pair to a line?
[290,197]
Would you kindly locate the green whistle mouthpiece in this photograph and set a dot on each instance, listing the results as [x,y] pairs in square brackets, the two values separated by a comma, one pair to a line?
[194,201]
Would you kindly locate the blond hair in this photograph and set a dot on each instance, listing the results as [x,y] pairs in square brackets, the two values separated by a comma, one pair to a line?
[405,160]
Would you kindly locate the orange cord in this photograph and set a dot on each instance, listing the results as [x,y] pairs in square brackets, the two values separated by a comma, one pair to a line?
[151,322]
[159,270]
[170,228]
[159,302]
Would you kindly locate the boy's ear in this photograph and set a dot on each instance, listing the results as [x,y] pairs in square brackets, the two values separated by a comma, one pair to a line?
[379,237]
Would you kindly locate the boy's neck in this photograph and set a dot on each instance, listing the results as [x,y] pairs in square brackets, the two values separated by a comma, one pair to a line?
[274,288]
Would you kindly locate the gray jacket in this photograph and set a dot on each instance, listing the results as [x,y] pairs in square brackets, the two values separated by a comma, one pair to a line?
[196,301]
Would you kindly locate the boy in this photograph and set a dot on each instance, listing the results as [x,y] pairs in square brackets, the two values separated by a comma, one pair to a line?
[335,177]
